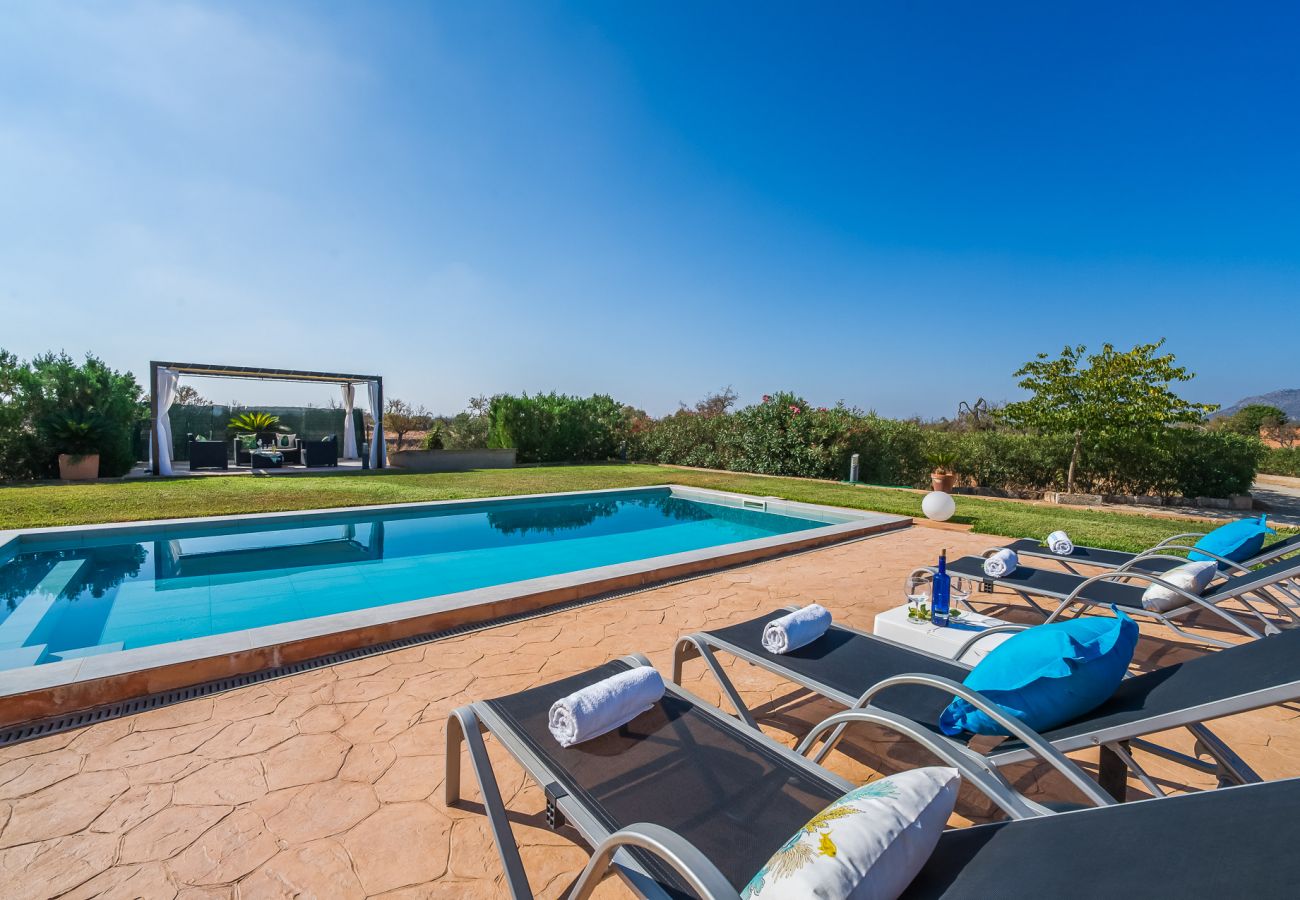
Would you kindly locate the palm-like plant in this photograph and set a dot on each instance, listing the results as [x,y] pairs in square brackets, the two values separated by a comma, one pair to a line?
[255,422]
[76,432]
[943,459]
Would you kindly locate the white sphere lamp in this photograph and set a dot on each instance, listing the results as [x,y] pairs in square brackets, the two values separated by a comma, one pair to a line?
[938,506]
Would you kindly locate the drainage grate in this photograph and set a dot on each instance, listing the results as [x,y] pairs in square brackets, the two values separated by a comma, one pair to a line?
[68,721]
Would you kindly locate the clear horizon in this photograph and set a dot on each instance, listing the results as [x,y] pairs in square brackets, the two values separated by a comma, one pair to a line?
[891,206]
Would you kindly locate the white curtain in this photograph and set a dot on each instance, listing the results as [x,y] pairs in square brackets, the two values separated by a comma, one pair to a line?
[378,452]
[349,433]
[165,391]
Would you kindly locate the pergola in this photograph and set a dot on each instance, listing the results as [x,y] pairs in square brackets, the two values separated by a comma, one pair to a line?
[164,377]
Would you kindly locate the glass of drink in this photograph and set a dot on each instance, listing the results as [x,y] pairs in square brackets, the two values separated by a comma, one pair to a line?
[960,594]
[917,590]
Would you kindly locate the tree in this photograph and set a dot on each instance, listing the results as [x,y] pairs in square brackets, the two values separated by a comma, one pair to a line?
[1253,419]
[1103,393]
[466,430]
[188,395]
[400,418]
[716,404]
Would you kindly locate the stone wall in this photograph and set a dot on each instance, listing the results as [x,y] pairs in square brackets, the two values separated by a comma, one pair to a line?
[451,460]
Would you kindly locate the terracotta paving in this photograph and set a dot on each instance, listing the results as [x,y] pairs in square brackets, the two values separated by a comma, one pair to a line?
[327,784]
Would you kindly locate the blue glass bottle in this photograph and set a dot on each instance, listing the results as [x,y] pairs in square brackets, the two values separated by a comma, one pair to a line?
[940,592]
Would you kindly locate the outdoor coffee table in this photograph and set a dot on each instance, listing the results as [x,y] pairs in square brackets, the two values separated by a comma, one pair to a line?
[265,459]
[894,625]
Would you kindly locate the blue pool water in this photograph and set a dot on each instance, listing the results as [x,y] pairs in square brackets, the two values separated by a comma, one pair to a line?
[76,599]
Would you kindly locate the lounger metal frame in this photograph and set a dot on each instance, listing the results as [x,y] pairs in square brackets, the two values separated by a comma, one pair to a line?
[1259,589]
[703,644]
[467,725]
[1227,766]
[1272,553]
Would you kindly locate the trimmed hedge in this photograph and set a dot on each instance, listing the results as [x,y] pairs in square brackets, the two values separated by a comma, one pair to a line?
[558,428]
[1175,462]
[1281,461]
[213,423]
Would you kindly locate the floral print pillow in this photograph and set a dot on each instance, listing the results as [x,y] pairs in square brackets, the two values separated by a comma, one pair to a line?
[870,843]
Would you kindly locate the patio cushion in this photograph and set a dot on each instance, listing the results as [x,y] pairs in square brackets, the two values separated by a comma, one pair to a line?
[869,843]
[1237,541]
[286,440]
[1047,675]
[1193,577]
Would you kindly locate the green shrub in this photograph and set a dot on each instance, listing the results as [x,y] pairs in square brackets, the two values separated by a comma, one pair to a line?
[463,431]
[558,428]
[1281,461]
[43,402]
[1174,461]
[1012,461]
[783,436]
[686,438]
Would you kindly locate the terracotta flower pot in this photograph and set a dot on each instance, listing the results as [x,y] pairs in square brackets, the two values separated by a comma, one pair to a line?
[78,468]
[942,481]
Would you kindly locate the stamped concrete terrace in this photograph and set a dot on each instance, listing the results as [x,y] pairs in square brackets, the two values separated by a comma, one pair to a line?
[326,784]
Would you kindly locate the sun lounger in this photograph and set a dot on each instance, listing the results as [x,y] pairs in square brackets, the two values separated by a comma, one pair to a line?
[1124,588]
[860,671]
[1230,843]
[684,801]
[1160,558]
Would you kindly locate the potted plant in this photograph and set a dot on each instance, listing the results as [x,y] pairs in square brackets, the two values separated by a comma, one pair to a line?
[76,435]
[944,474]
[263,425]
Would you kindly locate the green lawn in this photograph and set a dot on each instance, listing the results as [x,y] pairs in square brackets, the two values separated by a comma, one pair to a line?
[34,506]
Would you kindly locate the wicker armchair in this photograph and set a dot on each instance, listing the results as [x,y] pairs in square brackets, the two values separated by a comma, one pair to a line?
[208,455]
[321,453]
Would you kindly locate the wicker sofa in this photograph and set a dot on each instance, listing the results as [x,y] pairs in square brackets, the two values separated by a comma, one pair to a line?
[292,454]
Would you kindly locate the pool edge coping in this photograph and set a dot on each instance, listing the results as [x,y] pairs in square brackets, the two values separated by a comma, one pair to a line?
[71,685]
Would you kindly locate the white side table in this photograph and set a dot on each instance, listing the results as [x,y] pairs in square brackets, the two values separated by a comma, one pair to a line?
[894,625]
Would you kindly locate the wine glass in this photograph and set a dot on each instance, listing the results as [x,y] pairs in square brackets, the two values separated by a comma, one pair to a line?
[959,595]
[917,589]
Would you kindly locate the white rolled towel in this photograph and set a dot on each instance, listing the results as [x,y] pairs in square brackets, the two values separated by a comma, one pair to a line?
[793,630]
[601,707]
[1059,543]
[1002,563]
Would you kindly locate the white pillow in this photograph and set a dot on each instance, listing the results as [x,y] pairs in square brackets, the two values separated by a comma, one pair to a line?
[867,845]
[1193,577]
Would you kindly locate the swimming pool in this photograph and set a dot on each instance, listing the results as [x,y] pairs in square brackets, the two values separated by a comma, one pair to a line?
[106,599]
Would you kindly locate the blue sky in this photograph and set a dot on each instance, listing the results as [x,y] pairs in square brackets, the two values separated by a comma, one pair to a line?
[891,204]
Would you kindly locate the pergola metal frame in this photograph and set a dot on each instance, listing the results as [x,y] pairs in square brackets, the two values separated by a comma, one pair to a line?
[208,370]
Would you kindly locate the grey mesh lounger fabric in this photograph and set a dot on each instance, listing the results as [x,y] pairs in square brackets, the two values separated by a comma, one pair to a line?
[1124,589]
[683,802]
[1159,558]
[847,666]
[1235,842]
[683,768]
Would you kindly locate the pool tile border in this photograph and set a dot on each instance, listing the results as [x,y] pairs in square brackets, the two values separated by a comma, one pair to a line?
[72,685]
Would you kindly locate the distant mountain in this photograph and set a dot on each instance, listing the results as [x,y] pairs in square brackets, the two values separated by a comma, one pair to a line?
[1288,401]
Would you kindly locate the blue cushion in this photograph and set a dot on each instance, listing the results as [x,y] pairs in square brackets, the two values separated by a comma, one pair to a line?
[1237,541]
[1048,675]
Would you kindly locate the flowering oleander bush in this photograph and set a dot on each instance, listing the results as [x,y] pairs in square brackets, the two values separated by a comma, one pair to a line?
[783,435]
